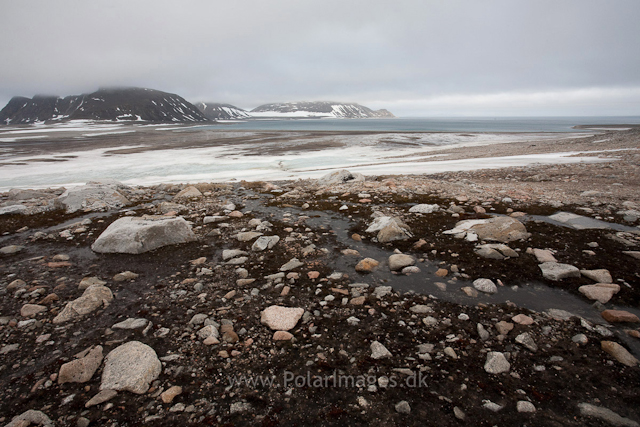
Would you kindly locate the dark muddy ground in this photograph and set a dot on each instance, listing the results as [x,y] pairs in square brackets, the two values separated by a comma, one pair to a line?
[169,290]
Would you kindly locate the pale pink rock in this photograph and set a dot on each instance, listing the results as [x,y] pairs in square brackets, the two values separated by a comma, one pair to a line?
[280,318]
[282,336]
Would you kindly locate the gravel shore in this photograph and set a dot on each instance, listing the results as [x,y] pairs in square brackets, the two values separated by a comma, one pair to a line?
[447,299]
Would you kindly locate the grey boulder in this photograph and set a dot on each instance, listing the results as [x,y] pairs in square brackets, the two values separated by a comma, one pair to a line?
[138,235]
[131,367]
[340,177]
[557,271]
[93,196]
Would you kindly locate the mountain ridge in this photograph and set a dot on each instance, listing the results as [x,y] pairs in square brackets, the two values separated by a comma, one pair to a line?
[112,104]
[219,111]
[301,109]
[149,105]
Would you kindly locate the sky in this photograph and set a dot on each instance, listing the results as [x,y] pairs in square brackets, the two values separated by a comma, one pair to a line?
[414,58]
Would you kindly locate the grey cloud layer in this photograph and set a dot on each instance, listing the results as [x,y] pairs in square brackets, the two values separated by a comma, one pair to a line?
[406,54]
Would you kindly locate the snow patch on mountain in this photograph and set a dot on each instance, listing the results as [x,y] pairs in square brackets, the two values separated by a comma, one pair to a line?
[217,111]
[321,109]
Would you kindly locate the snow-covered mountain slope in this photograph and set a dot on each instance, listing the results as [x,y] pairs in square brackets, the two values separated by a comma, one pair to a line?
[318,109]
[127,104]
[216,111]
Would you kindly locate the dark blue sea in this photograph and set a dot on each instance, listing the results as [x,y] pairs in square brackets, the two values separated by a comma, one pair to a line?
[439,124]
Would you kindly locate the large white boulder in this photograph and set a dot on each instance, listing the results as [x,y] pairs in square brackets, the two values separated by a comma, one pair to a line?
[138,235]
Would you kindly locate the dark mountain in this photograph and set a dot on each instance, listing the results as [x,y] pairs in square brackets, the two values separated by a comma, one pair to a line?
[318,109]
[127,105]
[216,111]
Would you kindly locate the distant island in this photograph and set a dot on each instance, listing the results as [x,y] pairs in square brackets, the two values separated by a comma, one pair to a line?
[149,105]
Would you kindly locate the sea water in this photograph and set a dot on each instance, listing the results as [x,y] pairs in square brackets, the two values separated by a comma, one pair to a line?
[433,124]
[368,146]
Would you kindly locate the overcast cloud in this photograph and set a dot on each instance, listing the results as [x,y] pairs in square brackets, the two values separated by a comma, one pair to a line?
[415,58]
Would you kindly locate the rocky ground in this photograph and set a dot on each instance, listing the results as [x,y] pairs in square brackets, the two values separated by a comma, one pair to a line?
[322,302]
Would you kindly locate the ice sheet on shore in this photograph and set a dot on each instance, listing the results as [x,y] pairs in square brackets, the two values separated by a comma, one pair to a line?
[227,163]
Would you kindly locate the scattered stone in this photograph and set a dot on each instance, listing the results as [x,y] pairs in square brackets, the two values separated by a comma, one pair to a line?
[213,219]
[525,406]
[31,417]
[503,327]
[264,242]
[379,351]
[421,309]
[485,285]
[11,249]
[604,414]
[497,251]
[403,407]
[30,310]
[580,339]
[92,298]
[619,353]
[424,208]
[292,264]
[501,229]
[412,269]
[556,271]
[496,363]
[559,314]
[89,281]
[208,331]
[81,370]
[578,222]
[442,272]
[601,275]
[619,316]
[449,351]
[522,319]
[138,235]
[602,292]
[392,232]
[382,291]
[124,276]
[469,291]
[544,255]
[399,261]
[247,236]
[493,407]
[131,323]
[340,177]
[280,318]
[482,332]
[633,254]
[168,395]
[366,265]
[527,340]
[188,193]
[228,254]
[282,336]
[131,367]
[101,397]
